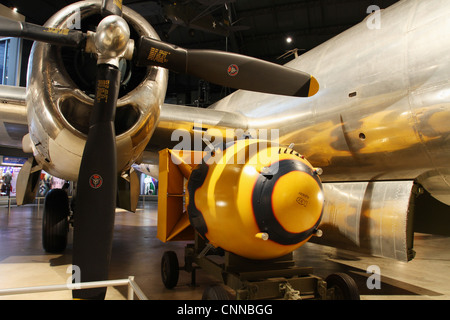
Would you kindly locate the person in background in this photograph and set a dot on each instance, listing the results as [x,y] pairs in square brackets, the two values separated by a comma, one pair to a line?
[7,181]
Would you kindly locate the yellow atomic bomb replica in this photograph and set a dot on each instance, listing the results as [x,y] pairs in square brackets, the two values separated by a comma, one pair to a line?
[255,199]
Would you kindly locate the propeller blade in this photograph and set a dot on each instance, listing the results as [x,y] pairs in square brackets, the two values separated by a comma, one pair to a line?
[227,69]
[111,7]
[63,37]
[97,188]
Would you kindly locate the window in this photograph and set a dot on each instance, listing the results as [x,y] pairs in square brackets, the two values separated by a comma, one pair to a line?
[3,46]
[10,56]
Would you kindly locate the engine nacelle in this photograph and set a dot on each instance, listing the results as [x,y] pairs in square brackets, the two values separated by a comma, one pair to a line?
[255,199]
[61,90]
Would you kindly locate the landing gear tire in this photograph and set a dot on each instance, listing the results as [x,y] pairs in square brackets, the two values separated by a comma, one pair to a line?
[345,287]
[55,221]
[215,292]
[170,269]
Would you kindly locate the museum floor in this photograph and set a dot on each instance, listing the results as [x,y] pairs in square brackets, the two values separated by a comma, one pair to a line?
[137,252]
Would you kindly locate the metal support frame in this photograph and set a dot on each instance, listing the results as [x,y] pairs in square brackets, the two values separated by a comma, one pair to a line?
[250,280]
[133,288]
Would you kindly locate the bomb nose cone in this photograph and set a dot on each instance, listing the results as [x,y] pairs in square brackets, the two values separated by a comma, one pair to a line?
[288,205]
[296,198]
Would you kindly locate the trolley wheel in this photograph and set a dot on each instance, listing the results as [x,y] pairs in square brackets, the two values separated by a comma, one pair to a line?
[55,221]
[169,269]
[345,287]
[215,292]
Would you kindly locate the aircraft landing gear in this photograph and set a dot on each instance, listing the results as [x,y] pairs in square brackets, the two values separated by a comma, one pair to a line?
[55,221]
[245,279]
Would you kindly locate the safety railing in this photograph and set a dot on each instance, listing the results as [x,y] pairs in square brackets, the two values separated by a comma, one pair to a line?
[133,288]
[11,201]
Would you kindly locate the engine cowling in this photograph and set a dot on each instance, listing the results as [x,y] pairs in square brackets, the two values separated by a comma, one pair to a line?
[60,96]
[255,199]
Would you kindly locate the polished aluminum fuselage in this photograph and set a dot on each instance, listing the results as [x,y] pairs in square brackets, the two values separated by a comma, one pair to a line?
[383,108]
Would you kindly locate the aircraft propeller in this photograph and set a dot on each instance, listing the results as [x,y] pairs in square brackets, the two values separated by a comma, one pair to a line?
[227,69]
[223,68]
[19,29]
[97,179]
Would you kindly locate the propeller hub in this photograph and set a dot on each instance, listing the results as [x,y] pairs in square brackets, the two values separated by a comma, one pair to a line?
[112,38]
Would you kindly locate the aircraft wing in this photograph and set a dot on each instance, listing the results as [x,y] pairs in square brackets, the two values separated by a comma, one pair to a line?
[13,121]
[186,119]
[13,116]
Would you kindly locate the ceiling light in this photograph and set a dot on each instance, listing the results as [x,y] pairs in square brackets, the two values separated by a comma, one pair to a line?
[288,39]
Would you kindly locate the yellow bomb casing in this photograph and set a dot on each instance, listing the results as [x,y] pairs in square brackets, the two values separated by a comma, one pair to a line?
[255,199]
